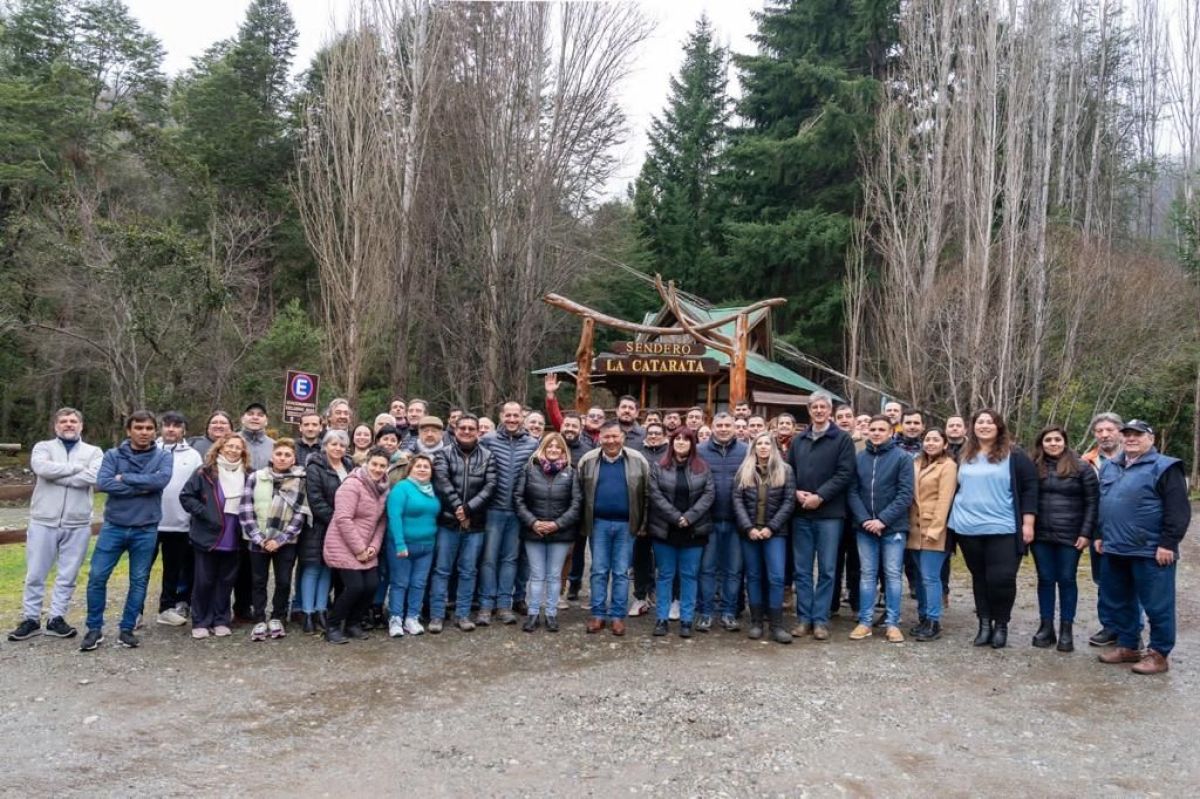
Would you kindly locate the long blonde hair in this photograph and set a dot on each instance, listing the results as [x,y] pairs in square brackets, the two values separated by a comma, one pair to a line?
[747,473]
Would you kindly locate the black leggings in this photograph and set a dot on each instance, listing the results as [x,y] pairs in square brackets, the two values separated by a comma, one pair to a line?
[283,560]
[358,592]
[993,561]
[177,569]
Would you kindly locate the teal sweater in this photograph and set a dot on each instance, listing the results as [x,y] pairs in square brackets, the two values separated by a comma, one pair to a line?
[412,516]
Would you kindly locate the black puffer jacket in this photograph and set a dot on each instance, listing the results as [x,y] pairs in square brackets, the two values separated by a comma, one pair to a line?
[664,514]
[556,498]
[201,498]
[781,502]
[464,479]
[321,482]
[1067,506]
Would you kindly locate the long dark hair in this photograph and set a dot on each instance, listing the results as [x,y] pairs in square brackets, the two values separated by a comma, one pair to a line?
[695,463]
[1068,461]
[1000,449]
[923,459]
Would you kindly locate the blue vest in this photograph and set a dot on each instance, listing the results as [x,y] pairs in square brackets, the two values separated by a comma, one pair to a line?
[1131,511]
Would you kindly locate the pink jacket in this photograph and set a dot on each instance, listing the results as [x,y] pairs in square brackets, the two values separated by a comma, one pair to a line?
[358,522]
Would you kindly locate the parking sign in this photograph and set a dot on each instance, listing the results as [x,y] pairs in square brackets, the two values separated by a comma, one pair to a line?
[299,394]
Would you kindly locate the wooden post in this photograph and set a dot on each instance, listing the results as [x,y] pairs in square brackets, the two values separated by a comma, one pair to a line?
[737,363]
[709,401]
[642,402]
[583,363]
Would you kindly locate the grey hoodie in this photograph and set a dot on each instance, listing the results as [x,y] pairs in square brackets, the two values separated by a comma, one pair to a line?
[186,460]
[63,494]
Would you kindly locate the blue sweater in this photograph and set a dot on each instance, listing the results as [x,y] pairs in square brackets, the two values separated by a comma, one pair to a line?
[411,515]
[134,500]
[612,492]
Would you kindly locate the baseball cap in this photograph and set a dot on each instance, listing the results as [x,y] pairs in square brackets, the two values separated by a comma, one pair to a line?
[1137,425]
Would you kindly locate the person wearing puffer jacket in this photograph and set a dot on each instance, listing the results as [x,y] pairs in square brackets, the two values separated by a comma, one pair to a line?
[547,499]
[879,500]
[323,476]
[352,544]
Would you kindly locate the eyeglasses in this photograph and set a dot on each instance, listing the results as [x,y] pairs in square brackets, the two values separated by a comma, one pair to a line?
[595,416]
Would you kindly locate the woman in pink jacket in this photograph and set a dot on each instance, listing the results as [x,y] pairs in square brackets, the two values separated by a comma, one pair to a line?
[352,544]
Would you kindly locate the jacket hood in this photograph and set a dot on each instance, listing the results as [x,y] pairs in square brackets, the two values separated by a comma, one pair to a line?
[880,448]
[180,446]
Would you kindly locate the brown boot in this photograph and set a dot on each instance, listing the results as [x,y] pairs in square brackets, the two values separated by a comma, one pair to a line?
[1119,654]
[1152,663]
[595,624]
[618,627]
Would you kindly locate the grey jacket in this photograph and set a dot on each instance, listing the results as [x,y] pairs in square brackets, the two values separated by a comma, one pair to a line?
[260,446]
[63,494]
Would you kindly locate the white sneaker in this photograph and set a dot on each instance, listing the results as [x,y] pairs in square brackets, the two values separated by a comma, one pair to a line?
[412,626]
[259,633]
[139,624]
[563,604]
[395,627]
[275,629]
[183,609]
[673,615]
[171,618]
[638,607]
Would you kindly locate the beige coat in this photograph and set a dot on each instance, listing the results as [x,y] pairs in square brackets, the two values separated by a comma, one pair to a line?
[935,485]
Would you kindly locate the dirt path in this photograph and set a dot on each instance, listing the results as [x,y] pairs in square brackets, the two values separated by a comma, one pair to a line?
[502,713]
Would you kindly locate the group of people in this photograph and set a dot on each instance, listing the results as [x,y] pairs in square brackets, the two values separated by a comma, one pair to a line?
[475,523]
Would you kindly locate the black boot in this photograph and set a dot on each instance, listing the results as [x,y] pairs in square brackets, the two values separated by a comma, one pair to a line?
[320,621]
[1066,637]
[309,627]
[921,623]
[756,619]
[334,635]
[984,636]
[779,633]
[930,632]
[1000,635]
[1044,637]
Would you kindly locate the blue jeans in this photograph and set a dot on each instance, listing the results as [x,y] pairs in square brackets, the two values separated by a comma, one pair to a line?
[765,559]
[1126,582]
[498,575]
[721,565]
[891,545]
[314,587]
[670,561]
[457,553]
[929,591]
[1056,565]
[114,541]
[545,574]
[408,576]
[815,540]
[612,547]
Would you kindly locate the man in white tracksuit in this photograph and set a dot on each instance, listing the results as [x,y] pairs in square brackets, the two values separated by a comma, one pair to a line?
[60,523]
[175,597]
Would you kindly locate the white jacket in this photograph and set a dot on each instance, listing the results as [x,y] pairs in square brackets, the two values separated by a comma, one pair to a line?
[63,494]
[186,460]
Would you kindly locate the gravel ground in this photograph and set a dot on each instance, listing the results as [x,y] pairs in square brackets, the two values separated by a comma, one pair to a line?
[502,713]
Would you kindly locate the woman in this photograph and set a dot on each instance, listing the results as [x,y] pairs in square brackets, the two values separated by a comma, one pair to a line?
[323,477]
[879,499]
[274,510]
[764,496]
[704,433]
[936,477]
[548,501]
[993,519]
[361,440]
[1068,504]
[220,424]
[412,511]
[212,497]
[681,495]
[352,545]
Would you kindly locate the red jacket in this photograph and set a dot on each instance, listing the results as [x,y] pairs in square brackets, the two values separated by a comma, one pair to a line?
[358,522]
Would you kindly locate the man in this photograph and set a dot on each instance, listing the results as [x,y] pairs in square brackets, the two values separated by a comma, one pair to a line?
[847,555]
[651,415]
[572,432]
[452,418]
[60,523]
[254,433]
[862,423]
[893,411]
[133,475]
[843,417]
[1106,429]
[694,418]
[511,447]
[627,411]
[614,480]
[535,423]
[417,409]
[912,432]
[554,413]
[823,462]
[741,410]
[755,425]
[652,448]
[740,430]
[956,434]
[339,415]
[654,444]
[310,437]
[671,421]
[176,591]
[429,440]
[721,563]
[785,429]
[1144,514]
[464,479]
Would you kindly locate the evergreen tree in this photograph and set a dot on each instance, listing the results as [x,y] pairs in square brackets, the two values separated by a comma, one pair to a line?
[674,200]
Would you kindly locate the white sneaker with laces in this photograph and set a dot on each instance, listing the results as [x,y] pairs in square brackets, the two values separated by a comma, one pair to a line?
[171,618]
[639,607]
[395,627]
[563,604]
[259,633]
[412,626]
[275,629]
[673,615]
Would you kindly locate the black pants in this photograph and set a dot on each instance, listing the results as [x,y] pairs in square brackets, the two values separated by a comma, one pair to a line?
[177,568]
[283,560]
[358,592]
[243,585]
[643,566]
[212,583]
[847,564]
[993,561]
[577,555]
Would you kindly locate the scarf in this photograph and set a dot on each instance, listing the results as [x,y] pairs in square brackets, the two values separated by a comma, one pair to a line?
[425,487]
[424,450]
[232,478]
[551,468]
[277,498]
[378,488]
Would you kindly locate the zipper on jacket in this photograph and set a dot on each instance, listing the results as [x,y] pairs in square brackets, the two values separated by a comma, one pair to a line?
[874,462]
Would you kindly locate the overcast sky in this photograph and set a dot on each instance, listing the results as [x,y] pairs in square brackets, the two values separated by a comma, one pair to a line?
[186,29]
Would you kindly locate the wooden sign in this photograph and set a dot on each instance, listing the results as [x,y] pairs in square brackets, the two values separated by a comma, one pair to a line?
[669,349]
[657,365]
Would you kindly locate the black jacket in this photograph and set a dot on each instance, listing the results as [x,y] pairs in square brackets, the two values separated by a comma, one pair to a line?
[306,451]
[1067,506]
[540,497]
[824,466]
[201,498]
[781,501]
[321,483]
[464,479]
[664,514]
[579,447]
